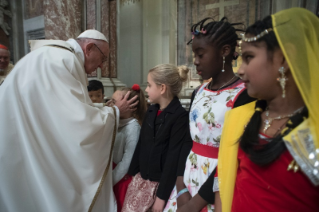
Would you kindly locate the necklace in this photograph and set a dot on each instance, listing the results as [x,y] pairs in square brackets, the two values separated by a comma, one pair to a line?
[223,84]
[268,120]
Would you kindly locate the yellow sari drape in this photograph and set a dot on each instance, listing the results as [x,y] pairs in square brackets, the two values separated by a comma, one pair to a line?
[297,31]
[234,125]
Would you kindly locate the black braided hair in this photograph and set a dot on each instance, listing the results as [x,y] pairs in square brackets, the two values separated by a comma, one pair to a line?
[249,142]
[219,33]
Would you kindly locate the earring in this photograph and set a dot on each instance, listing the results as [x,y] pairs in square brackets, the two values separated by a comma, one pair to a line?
[282,80]
[223,70]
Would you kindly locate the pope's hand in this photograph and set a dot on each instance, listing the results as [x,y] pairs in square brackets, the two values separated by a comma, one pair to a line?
[126,106]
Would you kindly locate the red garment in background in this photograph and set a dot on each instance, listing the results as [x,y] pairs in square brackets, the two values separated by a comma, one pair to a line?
[120,189]
[272,187]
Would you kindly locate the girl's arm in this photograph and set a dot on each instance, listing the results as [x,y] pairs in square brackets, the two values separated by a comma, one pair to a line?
[204,196]
[184,198]
[135,165]
[178,135]
[159,205]
[186,148]
[131,139]
[218,202]
[196,204]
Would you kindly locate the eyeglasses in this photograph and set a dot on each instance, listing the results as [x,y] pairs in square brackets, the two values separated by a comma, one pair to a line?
[104,59]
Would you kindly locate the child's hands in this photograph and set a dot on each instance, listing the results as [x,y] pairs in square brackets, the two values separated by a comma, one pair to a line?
[159,205]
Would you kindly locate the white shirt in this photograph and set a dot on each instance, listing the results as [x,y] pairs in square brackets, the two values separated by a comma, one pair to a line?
[124,147]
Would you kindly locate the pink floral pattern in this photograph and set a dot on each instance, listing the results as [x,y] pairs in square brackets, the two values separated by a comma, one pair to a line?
[200,126]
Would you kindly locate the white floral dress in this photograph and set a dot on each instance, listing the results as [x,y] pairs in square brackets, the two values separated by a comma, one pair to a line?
[206,119]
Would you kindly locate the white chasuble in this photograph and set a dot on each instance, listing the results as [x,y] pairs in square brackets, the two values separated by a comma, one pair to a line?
[54,146]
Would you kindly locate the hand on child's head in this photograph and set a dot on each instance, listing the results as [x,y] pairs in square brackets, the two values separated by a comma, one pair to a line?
[126,106]
[117,96]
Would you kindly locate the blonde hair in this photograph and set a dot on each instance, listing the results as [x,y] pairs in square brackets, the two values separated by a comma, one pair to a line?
[170,75]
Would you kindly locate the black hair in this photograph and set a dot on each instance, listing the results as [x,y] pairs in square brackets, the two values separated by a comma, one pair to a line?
[264,154]
[219,33]
[270,39]
[95,85]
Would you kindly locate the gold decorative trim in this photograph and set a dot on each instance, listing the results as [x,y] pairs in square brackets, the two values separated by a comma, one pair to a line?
[107,167]
[305,154]
[62,47]
[251,39]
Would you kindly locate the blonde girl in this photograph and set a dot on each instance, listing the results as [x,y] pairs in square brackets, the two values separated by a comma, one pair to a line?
[164,131]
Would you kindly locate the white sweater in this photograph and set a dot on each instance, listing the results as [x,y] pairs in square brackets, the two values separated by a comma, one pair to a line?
[124,147]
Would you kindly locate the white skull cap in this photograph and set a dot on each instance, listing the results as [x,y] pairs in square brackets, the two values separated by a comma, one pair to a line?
[93,34]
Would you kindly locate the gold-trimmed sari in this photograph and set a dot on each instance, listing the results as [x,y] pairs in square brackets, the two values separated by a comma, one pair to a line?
[297,31]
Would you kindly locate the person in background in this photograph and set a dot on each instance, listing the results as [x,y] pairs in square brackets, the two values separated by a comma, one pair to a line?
[96,91]
[5,65]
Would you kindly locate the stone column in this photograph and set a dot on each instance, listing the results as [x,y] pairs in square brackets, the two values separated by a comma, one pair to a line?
[62,19]
[17,31]
[101,15]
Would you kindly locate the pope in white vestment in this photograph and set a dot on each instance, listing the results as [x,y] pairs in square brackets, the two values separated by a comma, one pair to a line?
[55,148]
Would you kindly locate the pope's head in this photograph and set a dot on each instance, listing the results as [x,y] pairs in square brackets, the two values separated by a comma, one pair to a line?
[95,48]
[4,57]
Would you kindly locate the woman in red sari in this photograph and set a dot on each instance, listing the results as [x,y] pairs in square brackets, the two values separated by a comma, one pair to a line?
[269,153]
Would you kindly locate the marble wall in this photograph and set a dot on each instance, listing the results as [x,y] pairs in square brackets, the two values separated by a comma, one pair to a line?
[33,8]
[112,29]
[90,14]
[63,18]
[5,20]
[108,26]
[91,23]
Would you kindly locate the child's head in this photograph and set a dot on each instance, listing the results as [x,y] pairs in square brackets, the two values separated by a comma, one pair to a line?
[96,91]
[213,45]
[141,106]
[165,81]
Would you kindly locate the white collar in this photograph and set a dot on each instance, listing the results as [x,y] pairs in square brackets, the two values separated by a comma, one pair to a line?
[124,122]
[77,49]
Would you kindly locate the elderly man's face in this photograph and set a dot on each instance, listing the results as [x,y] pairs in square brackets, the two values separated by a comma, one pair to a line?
[96,56]
[4,58]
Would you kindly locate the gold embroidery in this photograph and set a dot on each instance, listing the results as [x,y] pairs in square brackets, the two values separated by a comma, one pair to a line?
[293,166]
